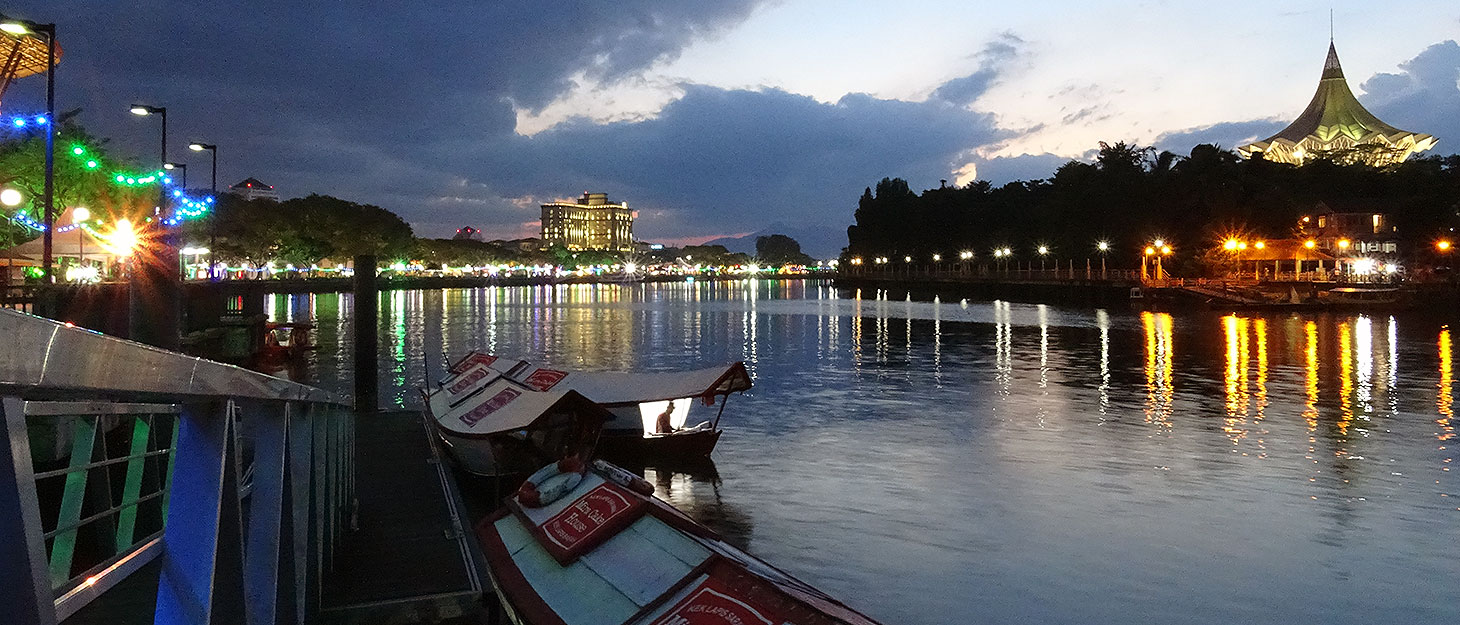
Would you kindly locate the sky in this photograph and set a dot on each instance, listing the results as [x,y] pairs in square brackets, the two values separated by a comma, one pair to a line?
[714,118]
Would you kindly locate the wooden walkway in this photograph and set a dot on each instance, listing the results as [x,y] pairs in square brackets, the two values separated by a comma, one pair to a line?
[413,557]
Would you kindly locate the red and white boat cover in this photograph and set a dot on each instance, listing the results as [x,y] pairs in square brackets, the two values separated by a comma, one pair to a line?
[606,555]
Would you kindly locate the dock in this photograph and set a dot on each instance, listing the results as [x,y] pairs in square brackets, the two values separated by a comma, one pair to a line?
[165,488]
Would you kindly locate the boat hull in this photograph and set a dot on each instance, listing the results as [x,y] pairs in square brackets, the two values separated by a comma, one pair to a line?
[632,445]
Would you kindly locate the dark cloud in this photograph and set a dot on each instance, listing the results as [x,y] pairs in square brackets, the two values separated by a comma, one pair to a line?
[1227,135]
[1006,169]
[720,160]
[1423,97]
[993,59]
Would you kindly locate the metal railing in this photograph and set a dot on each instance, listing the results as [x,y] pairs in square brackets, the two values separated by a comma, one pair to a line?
[119,454]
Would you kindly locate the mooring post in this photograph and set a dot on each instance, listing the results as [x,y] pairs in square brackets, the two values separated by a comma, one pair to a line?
[367,313]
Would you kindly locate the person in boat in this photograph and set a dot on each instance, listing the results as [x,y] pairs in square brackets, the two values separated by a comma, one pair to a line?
[662,425]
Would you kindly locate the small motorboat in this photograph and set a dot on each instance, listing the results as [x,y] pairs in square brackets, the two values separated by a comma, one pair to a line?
[591,544]
[494,425]
[651,410]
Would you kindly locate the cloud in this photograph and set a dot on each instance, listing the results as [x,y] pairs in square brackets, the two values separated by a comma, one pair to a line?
[993,59]
[1424,97]
[1228,135]
[723,160]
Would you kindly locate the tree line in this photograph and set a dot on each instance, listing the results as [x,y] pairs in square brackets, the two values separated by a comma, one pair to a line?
[1132,195]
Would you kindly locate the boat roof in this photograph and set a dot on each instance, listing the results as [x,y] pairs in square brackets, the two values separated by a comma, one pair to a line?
[606,555]
[482,402]
[615,388]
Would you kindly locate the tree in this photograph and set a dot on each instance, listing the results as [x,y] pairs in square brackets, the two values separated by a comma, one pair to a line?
[779,249]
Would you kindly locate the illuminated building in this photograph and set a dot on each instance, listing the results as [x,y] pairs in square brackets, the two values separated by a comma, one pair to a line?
[1337,126]
[1351,227]
[253,189]
[590,223]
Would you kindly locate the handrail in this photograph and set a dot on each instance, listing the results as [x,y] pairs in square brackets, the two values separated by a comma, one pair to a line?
[185,427]
[53,361]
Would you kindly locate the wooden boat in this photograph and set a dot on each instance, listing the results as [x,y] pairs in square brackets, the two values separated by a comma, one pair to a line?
[1352,297]
[608,552]
[494,425]
[637,402]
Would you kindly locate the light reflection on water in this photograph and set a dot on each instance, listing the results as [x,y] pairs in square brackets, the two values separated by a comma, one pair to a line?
[953,461]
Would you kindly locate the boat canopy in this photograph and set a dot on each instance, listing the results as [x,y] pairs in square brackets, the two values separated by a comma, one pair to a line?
[482,402]
[615,388]
[605,554]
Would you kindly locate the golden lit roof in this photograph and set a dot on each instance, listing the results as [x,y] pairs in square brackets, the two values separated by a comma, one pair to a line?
[1335,121]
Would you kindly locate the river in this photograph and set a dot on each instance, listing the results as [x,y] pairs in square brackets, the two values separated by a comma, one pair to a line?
[943,461]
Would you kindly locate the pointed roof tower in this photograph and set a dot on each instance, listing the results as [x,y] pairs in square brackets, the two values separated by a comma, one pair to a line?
[1334,120]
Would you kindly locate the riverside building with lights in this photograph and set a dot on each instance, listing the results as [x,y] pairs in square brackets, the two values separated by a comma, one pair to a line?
[253,189]
[1335,122]
[589,223]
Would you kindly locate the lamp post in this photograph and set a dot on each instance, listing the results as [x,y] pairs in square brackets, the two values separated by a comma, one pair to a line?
[183,167]
[213,215]
[26,27]
[1103,246]
[78,216]
[161,111]
[155,293]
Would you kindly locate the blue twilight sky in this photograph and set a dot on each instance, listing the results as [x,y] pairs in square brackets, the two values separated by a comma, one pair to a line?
[714,117]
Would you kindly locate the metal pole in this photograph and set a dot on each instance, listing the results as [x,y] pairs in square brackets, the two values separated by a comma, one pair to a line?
[50,129]
[213,219]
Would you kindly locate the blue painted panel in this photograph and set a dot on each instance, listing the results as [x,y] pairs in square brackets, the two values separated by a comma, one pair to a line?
[636,565]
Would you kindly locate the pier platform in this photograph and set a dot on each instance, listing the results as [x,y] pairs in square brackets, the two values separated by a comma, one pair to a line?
[410,556]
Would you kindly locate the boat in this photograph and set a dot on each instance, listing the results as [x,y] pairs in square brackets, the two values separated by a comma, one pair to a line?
[650,410]
[591,544]
[1353,297]
[493,425]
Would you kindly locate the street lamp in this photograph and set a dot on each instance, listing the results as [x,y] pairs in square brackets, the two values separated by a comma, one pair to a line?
[183,167]
[1443,246]
[78,215]
[213,217]
[22,28]
[144,110]
[1103,246]
[11,197]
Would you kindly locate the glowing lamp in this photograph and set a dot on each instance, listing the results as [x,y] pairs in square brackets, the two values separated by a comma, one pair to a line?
[1310,244]
[80,214]
[138,109]
[937,257]
[1443,246]
[91,164]
[1259,245]
[196,147]
[14,28]
[1159,243]
[11,197]
[1043,250]
[1230,245]
[1150,251]
[1343,244]
[78,150]
[1103,246]
[1166,249]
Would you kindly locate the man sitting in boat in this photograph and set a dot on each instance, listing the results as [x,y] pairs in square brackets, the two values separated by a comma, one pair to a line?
[662,425]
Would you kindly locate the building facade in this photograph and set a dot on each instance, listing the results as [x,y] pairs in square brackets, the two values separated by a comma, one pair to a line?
[589,223]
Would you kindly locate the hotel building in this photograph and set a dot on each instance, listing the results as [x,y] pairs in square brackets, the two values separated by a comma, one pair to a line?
[589,223]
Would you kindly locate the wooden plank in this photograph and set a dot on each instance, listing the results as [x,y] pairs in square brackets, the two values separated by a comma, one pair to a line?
[673,541]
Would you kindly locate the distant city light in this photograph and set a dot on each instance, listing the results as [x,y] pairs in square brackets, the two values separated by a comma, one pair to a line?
[1443,246]
[1043,249]
[1103,246]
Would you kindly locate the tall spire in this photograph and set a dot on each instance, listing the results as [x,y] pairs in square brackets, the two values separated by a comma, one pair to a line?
[1331,68]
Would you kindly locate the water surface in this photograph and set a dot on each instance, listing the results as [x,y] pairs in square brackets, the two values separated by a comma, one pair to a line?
[948,461]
